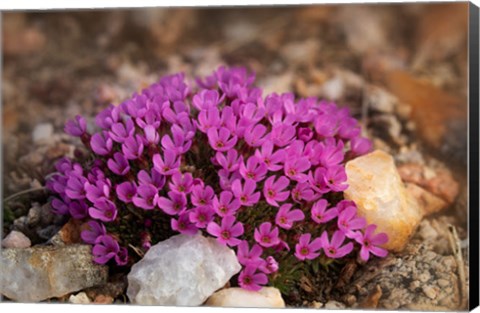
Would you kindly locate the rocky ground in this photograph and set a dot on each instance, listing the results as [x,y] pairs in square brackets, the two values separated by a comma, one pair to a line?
[400,69]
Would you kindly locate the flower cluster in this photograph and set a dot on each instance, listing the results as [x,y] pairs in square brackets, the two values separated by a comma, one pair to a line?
[263,175]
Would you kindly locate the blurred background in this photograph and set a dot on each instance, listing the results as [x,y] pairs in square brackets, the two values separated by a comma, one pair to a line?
[400,68]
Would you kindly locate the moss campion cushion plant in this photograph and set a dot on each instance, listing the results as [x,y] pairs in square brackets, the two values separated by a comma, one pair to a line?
[262,174]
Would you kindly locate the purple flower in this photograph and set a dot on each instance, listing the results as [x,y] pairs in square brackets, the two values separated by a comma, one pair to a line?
[59,207]
[108,117]
[221,139]
[246,256]
[121,131]
[369,243]
[93,230]
[305,249]
[180,112]
[360,145]
[329,179]
[183,225]
[118,164]
[255,169]
[273,160]
[146,197]
[325,125]
[101,143]
[302,191]
[295,167]
[266,236]
[269,266]
[151,135]
[246,194]
[168,165]
[75,188]
[156,179]
[329,153]
[320,214]
[348,221]
[122,256]
[105,249]
[103,210]
[282,134]
[77,127]
[181,182]
[208,119]
[228,231]
[334,249]
[285,218]
[255,135]
[275,190]
[206,99]
[201,195]
[133,147]
[249,279]
[101,189]
[179,144]
[231,162]
[78,209]
[227,178]
[126,191]
[226,204]
[175,203]
[305,134]
[201,216]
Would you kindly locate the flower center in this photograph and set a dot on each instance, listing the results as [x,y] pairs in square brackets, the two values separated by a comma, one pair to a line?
[220,144]
[181,188]
[244,198]
[266,239]
[247,280]
[366,243]
[283,220]
[223,209]
[304,251]
[202,217]
[292,172]
[251,175]
[225,234]
[271,193]
[332,250]
[109,214]
[202,201]
[166,168]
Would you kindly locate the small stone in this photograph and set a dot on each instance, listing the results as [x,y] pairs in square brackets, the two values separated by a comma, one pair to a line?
[267,297]
[79,298]
[414,285]
[375,186]
[334,305]
[429,291]
[182,270]
[379,100]
[16,239]
[68,234]
[428,202]
[443,283]
[34,214]
[103,299]
[42,133]
[317,305]
[43,272]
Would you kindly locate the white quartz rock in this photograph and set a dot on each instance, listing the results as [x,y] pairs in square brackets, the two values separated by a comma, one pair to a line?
[43,272]
[182,270]
[381,197]
[267,297]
